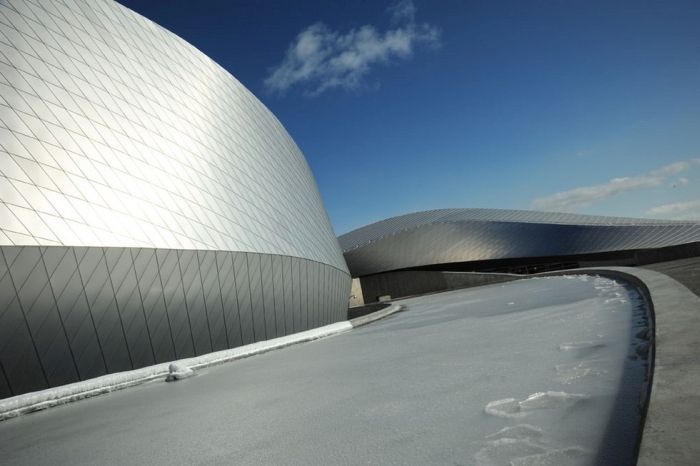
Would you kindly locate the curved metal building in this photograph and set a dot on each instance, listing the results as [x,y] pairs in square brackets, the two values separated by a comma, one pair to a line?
[490,239]
[151,208]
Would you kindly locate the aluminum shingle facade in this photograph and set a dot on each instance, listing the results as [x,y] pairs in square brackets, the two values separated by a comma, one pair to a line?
[151,207]
[464,235]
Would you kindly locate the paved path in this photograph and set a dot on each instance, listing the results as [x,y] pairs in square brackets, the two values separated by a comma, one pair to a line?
[672,428]
[409,389]
[685,271]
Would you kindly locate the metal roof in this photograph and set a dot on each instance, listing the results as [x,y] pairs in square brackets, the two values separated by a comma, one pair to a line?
[463,235]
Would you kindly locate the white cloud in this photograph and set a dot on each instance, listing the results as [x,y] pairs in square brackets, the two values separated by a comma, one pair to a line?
[321,59]
[689,210]
[577,198]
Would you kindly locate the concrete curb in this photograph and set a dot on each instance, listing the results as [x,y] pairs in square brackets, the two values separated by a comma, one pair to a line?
[369,318]
[36,401]
[670,431]
[671,428]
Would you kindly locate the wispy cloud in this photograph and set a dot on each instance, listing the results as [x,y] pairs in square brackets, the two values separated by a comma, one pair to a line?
[320,59]
[584,196]
[682,181]
[689,210]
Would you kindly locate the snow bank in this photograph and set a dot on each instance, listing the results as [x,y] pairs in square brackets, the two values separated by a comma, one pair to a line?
[35,401]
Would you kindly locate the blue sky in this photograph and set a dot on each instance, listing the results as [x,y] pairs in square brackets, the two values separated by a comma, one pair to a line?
[578,106]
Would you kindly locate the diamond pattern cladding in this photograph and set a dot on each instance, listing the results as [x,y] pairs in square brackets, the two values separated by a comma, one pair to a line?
[116,132]
[69,314]
[464,235]
[151,208]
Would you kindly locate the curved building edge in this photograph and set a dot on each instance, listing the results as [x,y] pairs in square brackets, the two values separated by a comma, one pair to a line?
[152,207]
[477,239]
[116,132]
[455,248]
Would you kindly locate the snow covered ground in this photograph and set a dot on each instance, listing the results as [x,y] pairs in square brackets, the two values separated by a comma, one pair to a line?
[562,362]
[544,371]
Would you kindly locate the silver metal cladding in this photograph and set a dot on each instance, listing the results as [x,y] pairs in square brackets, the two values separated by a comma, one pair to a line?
[116,132]
[465,235]
[151,208]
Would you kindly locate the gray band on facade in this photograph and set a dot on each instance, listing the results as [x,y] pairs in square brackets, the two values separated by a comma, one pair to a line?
[71,314]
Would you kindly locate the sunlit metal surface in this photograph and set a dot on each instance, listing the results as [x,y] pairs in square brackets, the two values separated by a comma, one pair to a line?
[151,207]
[465,235]
[116,132]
